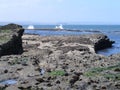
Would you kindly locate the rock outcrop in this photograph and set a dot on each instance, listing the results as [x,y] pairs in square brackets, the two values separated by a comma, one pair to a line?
[11,39]
[10,26]
[81,43]
[100,41]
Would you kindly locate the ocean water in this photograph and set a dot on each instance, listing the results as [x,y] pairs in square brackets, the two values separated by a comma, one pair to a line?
[112,31]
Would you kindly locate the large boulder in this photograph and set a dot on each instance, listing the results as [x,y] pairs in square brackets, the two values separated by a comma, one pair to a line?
[100,41]
[11,39]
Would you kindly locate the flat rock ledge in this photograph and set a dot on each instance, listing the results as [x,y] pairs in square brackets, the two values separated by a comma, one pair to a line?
[11,39]
[91,42]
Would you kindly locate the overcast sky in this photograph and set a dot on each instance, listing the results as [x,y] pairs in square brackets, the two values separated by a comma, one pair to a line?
[54,11]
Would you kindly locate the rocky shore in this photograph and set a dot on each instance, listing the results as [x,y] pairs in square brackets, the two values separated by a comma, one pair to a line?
[60,63]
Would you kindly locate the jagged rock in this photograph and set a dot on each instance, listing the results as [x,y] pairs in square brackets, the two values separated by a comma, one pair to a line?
[100,41]
[11,39]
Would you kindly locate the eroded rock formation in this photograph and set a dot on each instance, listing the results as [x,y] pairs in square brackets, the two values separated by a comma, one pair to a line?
[101,41]
[11,39]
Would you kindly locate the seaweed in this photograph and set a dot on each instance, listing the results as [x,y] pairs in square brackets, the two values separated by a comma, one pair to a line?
[99,71]
[57,73]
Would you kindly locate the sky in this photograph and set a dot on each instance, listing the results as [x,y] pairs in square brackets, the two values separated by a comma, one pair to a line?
[61,11]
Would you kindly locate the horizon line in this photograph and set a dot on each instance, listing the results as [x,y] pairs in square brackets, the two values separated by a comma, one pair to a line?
[56,23]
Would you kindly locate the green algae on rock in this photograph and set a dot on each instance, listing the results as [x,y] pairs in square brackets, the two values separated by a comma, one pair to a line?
[107,72]
[57,73]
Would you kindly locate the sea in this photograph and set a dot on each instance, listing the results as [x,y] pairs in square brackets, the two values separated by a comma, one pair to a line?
[112,31]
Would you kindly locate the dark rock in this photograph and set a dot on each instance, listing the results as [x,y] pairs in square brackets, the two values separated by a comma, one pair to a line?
[89,83]
[117,70]
[117,86]
[25,87]
[19,69]
[49,85]
[49,78]
[6,71]
[40,80]
[74,79]
[66,74]
[57,82]
[101,41]
[11,39]
[10,26]
[103,87]
[78,73]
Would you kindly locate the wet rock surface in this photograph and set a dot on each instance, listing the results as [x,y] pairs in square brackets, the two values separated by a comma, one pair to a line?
[60,63]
